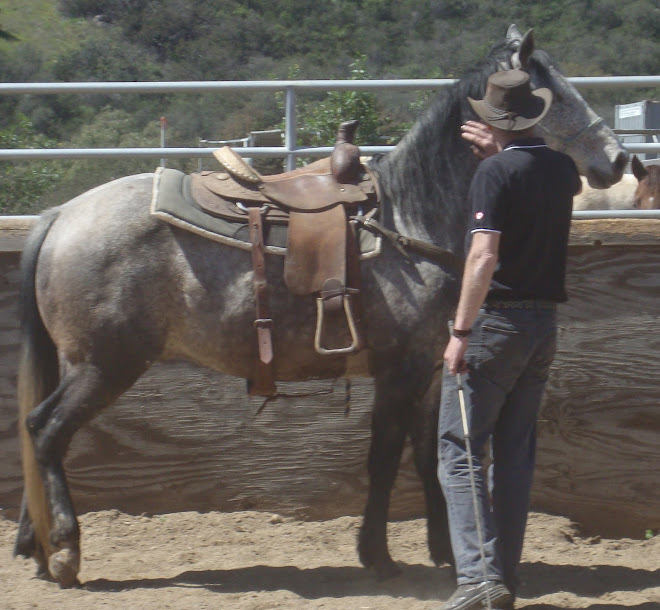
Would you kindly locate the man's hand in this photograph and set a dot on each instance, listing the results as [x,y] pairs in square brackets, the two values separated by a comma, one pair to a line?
[481,140]
[454,355]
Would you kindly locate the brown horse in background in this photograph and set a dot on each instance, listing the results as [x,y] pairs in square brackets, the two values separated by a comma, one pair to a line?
[637,191]
[647,193]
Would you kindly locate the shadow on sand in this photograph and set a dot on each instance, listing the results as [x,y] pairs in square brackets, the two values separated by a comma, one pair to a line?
[417,581]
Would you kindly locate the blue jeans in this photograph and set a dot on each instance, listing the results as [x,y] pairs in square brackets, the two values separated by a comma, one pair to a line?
[509,356]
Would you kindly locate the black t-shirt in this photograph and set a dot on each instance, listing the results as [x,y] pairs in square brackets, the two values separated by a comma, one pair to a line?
[526,193]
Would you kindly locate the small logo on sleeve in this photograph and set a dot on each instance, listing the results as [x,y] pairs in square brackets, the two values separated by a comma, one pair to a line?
[479,215]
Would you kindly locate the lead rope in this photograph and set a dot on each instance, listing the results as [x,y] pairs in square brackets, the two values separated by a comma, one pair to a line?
[473,485]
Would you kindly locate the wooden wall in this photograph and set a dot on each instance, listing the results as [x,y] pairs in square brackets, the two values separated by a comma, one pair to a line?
[186,438]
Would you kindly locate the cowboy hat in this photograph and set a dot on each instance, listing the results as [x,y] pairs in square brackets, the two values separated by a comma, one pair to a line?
[510,104]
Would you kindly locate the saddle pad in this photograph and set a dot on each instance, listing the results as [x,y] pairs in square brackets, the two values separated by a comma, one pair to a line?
[172,202]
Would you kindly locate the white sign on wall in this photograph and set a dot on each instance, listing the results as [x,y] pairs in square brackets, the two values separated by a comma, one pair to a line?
[630,111]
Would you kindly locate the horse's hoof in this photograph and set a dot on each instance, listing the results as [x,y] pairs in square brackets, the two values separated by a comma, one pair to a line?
[376,557]
[64,567]
[383,569]
[387,571]
[444,558]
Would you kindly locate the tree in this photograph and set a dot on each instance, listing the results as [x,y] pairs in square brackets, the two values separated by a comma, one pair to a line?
[5,35]
[319,120]
[23,183]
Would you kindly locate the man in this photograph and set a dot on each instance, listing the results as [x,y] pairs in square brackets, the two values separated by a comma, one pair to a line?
[503,336]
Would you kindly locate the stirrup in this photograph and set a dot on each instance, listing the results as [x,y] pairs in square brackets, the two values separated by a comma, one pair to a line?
[356,343]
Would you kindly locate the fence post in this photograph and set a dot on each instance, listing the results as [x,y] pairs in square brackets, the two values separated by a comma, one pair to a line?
[163,127]
[290,139]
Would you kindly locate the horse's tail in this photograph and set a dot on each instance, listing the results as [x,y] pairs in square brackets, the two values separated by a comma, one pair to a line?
[38,377]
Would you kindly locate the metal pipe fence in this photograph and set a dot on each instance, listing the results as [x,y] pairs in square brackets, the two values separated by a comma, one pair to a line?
[290,150]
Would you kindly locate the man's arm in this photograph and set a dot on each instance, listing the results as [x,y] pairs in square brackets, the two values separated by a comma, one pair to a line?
[479,268]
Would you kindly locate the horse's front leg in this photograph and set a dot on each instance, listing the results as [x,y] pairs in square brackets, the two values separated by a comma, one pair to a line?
[389,427]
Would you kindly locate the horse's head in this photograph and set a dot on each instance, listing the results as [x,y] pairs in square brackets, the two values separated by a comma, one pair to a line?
[647,194]
[570,125]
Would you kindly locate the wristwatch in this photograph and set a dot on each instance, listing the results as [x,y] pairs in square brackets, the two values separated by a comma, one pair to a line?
[461,334]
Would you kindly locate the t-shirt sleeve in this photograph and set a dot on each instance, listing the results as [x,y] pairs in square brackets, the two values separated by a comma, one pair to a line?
[487,204]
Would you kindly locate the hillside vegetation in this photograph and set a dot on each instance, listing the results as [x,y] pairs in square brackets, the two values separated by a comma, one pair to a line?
[148,40]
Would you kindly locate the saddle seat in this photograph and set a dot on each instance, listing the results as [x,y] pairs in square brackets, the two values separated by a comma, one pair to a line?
[322,252]
[312,188]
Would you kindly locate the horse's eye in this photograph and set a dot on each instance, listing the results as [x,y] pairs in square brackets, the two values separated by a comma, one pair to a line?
[637,204]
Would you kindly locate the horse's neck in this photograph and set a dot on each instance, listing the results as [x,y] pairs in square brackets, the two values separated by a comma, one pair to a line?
[427,177]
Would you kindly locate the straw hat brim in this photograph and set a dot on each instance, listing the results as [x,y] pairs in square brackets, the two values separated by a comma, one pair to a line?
[513,121]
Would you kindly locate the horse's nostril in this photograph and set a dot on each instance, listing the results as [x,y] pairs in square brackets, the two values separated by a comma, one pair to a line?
[621,162]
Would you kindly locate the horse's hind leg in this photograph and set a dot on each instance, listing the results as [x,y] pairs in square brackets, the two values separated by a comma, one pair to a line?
[27,539]
[26,543]
[82,393]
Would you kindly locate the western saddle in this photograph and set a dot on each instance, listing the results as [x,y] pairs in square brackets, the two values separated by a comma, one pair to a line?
[318,202]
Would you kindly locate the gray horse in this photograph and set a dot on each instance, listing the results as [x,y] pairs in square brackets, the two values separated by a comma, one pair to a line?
[108,289]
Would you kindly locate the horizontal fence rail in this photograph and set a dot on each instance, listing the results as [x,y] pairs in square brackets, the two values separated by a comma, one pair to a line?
[146,153]
[410,84]
[290,150]
[245,151]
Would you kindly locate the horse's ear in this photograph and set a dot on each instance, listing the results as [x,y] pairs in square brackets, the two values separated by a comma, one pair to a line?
[513,33]
[638,169]
[526,48]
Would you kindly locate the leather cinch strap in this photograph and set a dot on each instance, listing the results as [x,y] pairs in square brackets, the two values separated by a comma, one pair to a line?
[262,384]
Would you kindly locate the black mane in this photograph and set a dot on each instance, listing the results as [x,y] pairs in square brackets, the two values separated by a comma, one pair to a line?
[428,174]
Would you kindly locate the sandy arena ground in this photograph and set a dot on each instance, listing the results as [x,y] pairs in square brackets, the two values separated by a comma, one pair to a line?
[259,561]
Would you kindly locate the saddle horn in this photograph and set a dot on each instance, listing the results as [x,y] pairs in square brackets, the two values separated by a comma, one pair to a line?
[345,159]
